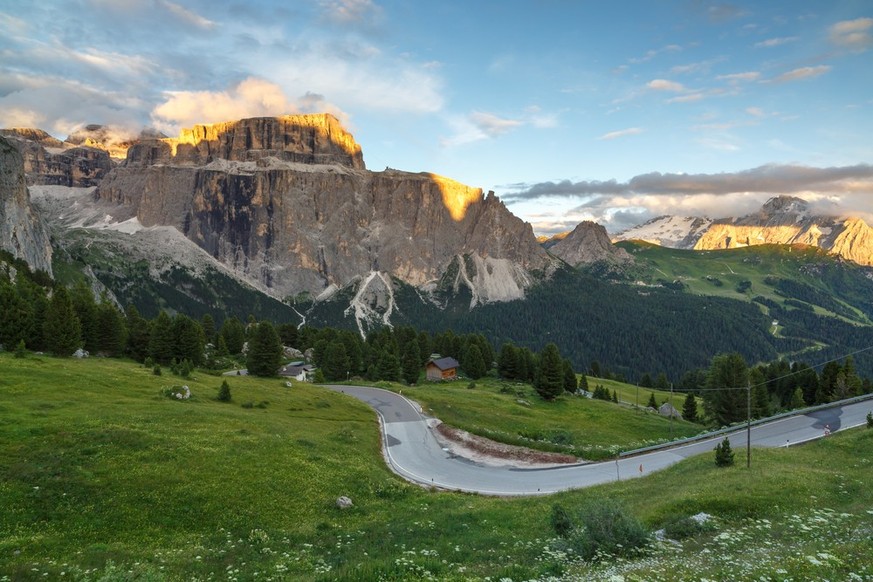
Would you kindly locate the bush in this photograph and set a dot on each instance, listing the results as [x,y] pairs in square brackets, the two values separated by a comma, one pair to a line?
[224,392]
[562,521]
[724,456]
[20,349]
[156,370]
[870,419]
[608,530]
[685,527]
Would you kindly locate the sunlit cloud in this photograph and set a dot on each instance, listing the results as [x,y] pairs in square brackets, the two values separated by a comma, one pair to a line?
[492,125]
[802,73]
[186,15]
[689,98]
[755,111]
[771,42]
[620,133]
[739,77]
[349,11]
[854,34]
[665,85]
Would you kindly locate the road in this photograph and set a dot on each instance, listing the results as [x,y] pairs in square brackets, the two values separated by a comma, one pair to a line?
[413,452]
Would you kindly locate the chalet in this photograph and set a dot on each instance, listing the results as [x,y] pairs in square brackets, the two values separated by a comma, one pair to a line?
[297,370]
[441,369]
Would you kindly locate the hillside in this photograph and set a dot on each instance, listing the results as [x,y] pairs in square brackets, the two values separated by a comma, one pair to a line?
[101,477]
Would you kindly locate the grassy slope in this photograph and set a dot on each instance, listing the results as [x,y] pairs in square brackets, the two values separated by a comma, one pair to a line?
[699,269]
[100,476]
[513,413]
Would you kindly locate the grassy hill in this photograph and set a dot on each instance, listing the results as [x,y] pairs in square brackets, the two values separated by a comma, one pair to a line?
[102,477]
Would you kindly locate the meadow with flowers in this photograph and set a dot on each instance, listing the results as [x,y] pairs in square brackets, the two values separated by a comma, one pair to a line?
[103,476]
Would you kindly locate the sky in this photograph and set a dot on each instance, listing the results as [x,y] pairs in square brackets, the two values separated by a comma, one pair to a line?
[612,111]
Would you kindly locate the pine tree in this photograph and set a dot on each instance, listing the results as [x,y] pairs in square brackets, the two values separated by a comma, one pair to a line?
[110,329]
[411,362]
[207,324]
[571,384]
[615,396]
[652,402]
[20,349]
[797,399]
[474,363]
[507,362]
[86,310]
[137,334]
[388,366]
[334,362]
[689,408]
[234,334]
[162,343]
[724,455]
[224,392]
[62,330]
[726,385]
[265,352]
[646,381]
[288,334]
[189,341]
[583,383]
[760,401]
[550,377]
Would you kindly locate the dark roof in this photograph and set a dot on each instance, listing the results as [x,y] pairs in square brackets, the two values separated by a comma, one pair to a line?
[445,363]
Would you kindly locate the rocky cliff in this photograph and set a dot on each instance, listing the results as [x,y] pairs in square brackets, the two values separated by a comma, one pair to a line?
[22,232]
[788,220]
[48,161]
[588,243]
[287,203]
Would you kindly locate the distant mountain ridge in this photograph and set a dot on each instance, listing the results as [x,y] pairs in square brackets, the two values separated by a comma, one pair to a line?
[782,220]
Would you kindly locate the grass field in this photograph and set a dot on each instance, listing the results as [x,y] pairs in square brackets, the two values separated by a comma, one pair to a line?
[513,413]
[104,478]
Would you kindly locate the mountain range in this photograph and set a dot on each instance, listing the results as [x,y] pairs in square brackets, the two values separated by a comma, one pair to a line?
[281,218]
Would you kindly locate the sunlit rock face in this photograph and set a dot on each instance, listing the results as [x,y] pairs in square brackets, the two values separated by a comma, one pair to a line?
[588,243]
[787,220]
[22,232]
[288,203]
[48,161]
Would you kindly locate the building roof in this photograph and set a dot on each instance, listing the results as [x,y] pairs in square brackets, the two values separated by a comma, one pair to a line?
[445,363]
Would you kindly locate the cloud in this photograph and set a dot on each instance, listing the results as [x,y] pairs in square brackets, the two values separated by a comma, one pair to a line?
[689,98]
[854,34]
[771,42]
[621,205]
[755,111]
[186,15]
[651,54]
[252,97]
[665,85]
[349,11]
[772,178]
[737,77]
[492,125]
[620,133]
[802,73]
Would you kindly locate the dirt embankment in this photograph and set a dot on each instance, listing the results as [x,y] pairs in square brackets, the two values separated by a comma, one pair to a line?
[481,449]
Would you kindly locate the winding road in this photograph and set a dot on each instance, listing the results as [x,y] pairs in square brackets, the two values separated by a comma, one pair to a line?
[414,453]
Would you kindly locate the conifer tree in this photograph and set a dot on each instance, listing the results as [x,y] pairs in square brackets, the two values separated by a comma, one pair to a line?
[652,402]
[724,455]
[571,384]
[207,324]
[797,399]
[137,334]
[474,363]
[411,362]
[86,310]
[265,352]
[62,330]
[234,334]
[507,362]
[388,366]
[111,330]
[224,392]
[550,377]
[689,408]
[189,341]
[726,385]
[162,344]
[334,362]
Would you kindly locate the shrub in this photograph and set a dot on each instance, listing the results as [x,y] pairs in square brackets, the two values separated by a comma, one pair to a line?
[156,370]
[870,419]
[224,392]
[605,528]
[20,349]
[724,456]
[685,527]
[177,392]
[562,521]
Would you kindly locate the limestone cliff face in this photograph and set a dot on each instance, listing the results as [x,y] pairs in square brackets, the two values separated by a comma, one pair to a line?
[787,220]
[287,202]
[309,139]
[48,161]
[588,243]
[22,232]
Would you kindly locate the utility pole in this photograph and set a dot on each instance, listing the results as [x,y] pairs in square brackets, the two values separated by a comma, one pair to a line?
[748,425]
[671,411]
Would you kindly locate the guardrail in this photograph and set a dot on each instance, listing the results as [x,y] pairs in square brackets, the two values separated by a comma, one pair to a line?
[741,426]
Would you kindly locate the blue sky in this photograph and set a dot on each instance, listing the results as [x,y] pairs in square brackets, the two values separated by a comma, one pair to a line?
[569,110]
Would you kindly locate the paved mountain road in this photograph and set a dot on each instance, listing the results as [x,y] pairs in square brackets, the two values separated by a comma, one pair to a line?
[413,452]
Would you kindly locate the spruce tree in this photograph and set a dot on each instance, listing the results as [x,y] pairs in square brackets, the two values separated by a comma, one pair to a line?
[474,363]
[335,363]
[726,385]
[550,377]
[265,351]
[652,402]
[207,324]
[85,307]
[571,384]
[189,341]
[724,455]
[110,329]
[234,334]
[62,330]
[388,366]
[411,363]
[507,362]
[162,343]
[797,399]
[224,392]
[137,334]
[689,408]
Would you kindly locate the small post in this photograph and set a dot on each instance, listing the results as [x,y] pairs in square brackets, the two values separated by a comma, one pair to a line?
[617,476]
[748,425]
[671,411]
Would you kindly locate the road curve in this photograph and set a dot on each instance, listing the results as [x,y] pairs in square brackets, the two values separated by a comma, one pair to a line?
[412,451]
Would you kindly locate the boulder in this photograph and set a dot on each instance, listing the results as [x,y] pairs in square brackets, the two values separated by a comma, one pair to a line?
[343,502]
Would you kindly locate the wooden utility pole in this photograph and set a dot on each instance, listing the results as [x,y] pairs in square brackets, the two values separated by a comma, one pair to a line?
[748,425]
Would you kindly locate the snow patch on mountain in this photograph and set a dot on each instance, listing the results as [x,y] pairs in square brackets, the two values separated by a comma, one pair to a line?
[668,231]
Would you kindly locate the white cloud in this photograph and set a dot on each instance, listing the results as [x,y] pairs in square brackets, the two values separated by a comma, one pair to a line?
[349,11]
[755,111]
[689,98]
[665,85]
[771,42]
[621,133]
[854,34]
[802,73]
[737,77]
[492,125]
[186,15]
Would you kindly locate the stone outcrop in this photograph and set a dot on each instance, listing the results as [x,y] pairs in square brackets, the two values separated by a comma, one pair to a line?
[115,141]
[48,161]
[588,243]
[308,139]
[287,202]
[787,220]
[22,232]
